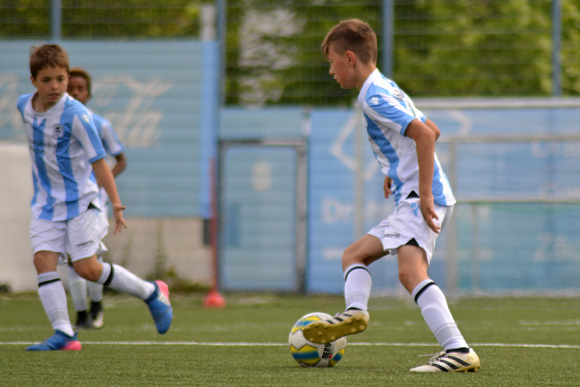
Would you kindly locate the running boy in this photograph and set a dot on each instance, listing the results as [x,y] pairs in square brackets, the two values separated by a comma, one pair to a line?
[79,87]
[403,141]
[67,158]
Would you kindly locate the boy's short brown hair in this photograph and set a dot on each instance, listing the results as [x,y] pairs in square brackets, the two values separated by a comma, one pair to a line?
[78,72]
[352,35]
[47,55]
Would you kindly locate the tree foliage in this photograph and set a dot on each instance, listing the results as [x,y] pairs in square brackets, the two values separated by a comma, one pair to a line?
[442,48]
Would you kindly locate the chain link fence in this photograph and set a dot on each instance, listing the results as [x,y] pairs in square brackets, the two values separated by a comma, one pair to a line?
[442,48]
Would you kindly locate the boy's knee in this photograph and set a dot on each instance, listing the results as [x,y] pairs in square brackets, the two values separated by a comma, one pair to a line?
[89,274]
[349,257]
[45,261]
[409,278]
[404,276]
[89,270]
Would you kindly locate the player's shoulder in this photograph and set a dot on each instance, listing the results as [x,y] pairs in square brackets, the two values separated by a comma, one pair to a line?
[75,108]
[384,91]
[384,85]
[23,100]
[25,97]
[100,120]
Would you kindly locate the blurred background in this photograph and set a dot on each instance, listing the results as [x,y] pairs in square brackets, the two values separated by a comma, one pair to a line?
[249,167]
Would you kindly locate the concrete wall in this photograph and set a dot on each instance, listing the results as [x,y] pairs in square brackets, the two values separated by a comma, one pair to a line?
[165,243]
[16,267]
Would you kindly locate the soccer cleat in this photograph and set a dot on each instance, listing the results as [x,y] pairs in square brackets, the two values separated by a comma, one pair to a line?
[83,321]
[451,362]
[58,342]
[342,324]
[97,315]
[160,307]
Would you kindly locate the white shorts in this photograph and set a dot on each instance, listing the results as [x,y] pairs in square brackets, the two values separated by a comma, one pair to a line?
[80,237]
[407,223]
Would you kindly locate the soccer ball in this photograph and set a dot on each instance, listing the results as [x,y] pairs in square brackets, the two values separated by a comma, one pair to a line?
[309,354]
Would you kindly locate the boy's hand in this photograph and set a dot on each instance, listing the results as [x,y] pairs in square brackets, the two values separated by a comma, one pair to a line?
[428,211]
[119,219]
[387,186]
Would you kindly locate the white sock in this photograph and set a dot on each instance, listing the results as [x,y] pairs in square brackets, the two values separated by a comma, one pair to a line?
[96,289]
[122,280]
[78,290]
[357,286]
[436,313]
[53,298]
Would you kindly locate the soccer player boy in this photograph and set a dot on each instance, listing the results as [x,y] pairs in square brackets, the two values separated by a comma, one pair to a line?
[403,141]
[79,87]
[67,159]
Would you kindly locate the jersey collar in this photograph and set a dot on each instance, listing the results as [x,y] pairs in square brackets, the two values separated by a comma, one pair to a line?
[363,91]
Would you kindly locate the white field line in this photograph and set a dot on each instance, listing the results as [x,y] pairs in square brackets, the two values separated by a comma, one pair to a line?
[248,344]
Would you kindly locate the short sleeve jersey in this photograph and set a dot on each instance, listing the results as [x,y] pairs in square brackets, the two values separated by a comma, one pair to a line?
[388,111]
[113,146]
[63,143]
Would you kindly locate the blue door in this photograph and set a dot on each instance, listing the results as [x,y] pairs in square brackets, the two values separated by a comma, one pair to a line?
[258,218]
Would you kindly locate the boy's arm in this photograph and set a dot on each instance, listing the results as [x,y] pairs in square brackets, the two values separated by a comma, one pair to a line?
[387,187]
[105,178]
[120,165]
[114,147]
[425,137]
[434,128]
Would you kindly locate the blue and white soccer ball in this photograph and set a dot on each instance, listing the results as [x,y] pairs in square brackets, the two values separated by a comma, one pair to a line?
[309,354]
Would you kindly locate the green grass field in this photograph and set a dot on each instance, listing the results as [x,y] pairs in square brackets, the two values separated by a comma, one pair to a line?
[521,342]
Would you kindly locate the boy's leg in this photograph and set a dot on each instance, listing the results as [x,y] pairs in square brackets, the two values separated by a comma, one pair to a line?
[95,289]
[114,276]
[93,225]
[457,355]
[413,276]
[53,297]
[78,292]
[155,294]
[96,295]
[357,288]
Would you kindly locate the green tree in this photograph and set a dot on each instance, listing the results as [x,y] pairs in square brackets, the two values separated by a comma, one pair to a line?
[469,48]
[570,54]
[442,48]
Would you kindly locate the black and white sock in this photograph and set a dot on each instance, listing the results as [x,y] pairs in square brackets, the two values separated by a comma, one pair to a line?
[437,315]
[357,286]
[122,280]
[53,298]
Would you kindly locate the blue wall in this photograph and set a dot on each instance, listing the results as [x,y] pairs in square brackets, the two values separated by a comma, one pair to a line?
[500,247]
[161,99]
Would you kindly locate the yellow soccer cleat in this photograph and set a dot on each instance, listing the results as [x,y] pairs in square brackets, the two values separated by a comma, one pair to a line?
[342,324]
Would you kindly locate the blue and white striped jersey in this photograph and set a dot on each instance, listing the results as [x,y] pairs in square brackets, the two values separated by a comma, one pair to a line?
[113,146]
[388,111]
[63,143]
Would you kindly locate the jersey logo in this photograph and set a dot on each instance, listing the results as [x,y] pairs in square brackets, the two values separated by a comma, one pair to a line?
[85,117]
[374,100]
[58,131]
[398,94]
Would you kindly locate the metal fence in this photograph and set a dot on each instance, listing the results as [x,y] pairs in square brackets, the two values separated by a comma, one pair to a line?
[513,165]
[448,48]
[443,48]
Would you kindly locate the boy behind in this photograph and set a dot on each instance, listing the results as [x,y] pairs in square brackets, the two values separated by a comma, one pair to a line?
[403,141]
[67,158]
[79,87]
